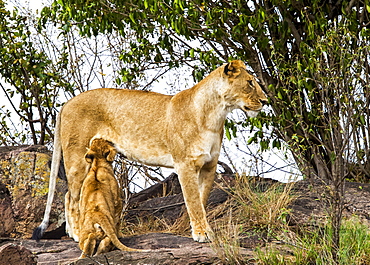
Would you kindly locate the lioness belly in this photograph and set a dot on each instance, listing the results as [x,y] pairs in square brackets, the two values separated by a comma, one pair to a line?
[147,157]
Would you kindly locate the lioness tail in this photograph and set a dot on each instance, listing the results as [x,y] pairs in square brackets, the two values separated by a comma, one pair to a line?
[57,155]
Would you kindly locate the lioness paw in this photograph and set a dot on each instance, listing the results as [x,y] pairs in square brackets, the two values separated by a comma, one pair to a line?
[202,236]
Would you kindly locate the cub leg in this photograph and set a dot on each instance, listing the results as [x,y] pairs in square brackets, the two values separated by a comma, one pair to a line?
[87,245]
[104,246]
[189,180]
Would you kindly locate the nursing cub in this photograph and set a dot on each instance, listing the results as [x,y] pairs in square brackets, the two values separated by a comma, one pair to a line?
[100,202]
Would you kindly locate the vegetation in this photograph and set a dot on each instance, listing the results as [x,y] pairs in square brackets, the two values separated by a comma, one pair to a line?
[274,38]
[255,209]
[311,247]
[312,59]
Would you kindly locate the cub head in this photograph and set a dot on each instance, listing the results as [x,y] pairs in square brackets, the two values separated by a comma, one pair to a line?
[244,92]
[100,149]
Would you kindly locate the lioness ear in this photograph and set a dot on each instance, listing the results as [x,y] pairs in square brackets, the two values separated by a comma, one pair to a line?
[89,157]
[233,68]
[110,154]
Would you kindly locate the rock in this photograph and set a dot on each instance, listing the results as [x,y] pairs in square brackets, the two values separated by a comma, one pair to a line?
[309,208]
[7,221]
[169,208]
[164,249]
[25,172]
[15,254]
[51,252]
[169,186]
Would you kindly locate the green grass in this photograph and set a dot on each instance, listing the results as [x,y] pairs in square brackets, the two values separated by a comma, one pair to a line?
[313,246]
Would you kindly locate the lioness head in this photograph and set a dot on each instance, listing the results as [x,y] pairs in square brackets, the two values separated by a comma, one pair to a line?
[100,149]
[245,93]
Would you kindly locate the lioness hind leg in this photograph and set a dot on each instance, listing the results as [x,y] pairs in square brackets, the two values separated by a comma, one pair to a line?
[66,211]
[201,230]
[76,173]
[71,213]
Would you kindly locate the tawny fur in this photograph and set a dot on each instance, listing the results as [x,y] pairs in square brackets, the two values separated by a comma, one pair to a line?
[100,202]
[183,131]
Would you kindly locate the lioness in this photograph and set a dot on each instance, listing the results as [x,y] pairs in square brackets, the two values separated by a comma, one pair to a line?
[183,131]
[100,202]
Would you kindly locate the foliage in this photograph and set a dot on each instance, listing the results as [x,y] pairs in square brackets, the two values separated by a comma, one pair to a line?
[30,73]
[272,36]
[329,100]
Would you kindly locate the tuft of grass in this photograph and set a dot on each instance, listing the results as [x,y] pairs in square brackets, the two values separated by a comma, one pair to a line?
[226,241]
[182,225]
[262,207]
[252,209]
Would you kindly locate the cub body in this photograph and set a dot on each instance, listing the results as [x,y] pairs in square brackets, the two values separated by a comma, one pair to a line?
[100,202]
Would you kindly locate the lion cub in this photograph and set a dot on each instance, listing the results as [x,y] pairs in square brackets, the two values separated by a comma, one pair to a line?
[100,202]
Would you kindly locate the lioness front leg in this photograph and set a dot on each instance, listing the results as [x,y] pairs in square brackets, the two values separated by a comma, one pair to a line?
[206,180]
[189,180]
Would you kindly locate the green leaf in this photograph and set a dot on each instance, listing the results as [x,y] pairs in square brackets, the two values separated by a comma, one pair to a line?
[362,120]
[132,17]
[192,52]
[228,135]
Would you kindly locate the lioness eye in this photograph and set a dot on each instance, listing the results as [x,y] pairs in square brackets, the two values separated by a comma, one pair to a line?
[250,82]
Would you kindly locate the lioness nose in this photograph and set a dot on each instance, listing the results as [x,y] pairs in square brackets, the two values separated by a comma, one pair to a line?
[263,101]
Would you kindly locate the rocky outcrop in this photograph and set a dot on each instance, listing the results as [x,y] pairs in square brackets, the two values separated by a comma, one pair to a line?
[308,208]
[24,178]
[16,254]
[7,221]
[162,248]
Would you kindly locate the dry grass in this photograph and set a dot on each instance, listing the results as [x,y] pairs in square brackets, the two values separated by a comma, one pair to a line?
[262,208]
[145,225]
[252,208]
[181,225]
